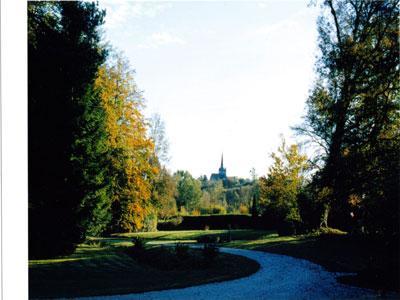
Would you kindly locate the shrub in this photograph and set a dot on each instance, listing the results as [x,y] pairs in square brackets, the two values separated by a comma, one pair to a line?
[196,212]
[183,211]
[229,236]
[210,252]
[139,246]
[243,209]
[213,221]
[327,231]
[286,228]
[208,239]
[170,224]
[150,222]
[182,251]
[176,221]
[219,210]
[94,243]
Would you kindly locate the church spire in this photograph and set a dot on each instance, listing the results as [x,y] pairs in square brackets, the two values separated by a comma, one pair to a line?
[222,160]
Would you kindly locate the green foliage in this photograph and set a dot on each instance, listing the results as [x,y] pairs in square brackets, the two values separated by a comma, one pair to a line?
[280,189]
[93,271]
[182,251]
[353,114]
[217,198]
[163,194]
[327,231]
[132,157]
[171,223]
[211,221]
[139,246]
[218,210]
[207,239]
[67,194]
[91,154]
[210,252]
[150,222]
[188,191]
[227,196]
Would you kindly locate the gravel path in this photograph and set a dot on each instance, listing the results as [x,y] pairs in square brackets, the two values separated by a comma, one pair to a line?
[280,277]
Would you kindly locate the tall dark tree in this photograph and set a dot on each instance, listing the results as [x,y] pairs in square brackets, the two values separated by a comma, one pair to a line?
[353,113]
[64,121]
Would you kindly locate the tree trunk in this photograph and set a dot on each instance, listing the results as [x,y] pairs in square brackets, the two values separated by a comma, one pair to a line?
[325,215]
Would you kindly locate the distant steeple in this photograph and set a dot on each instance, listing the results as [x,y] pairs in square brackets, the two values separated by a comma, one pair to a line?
[221,175]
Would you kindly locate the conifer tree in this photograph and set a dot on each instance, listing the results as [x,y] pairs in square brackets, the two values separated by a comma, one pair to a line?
[64,54]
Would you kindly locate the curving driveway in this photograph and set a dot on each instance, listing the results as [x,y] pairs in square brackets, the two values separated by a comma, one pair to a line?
[280,277]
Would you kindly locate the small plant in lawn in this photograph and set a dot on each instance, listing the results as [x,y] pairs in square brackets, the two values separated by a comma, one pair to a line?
[229,234]
[210,252]
[94,243]
[327,231]
[139,246]
[182,251]
[208,239]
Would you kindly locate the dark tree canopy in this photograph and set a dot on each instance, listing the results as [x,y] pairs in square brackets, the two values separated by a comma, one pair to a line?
[64,54]
[353,112]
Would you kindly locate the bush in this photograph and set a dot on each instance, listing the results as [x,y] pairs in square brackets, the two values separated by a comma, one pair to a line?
[183,211]
[139,246]
[150,223]
[94,243]
[182,251]
[243,209]
[286,228]
[327,231]
[206,239]
[218,210]
[212,221]
[196,212]
[170,224]
[229,236]
[210,252]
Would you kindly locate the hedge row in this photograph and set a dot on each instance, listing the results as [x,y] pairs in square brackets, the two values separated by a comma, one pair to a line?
[210,222]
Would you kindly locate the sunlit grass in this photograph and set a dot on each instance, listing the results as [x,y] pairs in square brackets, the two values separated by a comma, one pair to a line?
[100,266]
[270,241]
[97,248]
[238,234]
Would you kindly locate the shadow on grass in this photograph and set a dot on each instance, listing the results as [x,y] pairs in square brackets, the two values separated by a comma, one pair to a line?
[105,269]
[376,265]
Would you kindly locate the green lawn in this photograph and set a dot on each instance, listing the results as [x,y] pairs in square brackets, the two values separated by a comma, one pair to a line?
[192,235]
[377,265]
[103,267]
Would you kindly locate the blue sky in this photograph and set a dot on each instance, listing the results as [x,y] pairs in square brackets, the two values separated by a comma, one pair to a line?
[224,76]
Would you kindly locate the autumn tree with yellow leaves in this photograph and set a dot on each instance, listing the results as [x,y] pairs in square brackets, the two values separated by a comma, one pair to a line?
[280,188]
[131,151]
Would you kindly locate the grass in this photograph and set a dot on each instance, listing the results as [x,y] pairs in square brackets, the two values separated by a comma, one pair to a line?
[192,235]
[376,265]
[103,267]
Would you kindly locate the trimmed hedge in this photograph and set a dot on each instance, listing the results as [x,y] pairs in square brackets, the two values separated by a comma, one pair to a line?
[211,222]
